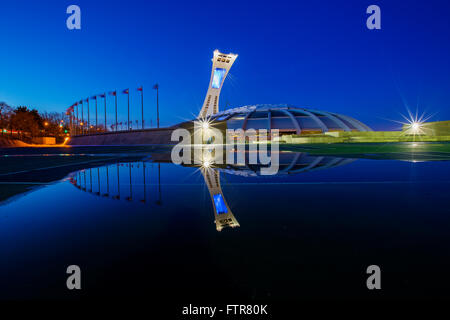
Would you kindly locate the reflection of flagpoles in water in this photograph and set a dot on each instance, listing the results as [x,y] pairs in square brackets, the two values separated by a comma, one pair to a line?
[98,179]
[118,183]
[83,174]
[107,183]
[159,201]
[145,187]
[90,178]
[131,186]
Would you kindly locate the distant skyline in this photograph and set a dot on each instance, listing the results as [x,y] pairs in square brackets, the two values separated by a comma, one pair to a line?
[316,55]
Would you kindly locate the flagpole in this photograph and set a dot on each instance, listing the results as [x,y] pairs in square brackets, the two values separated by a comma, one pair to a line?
[82,118]
[116,109]
[128,123]
[157,105]
[70,118]
[104,99]
[76,128]
[89,121]
[96,123]
[142,106]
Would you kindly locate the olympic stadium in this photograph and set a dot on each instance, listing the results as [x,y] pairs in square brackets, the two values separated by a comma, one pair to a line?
[287,119]
[295,125]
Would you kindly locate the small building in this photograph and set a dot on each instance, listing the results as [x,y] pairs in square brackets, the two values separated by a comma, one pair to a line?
[44,140]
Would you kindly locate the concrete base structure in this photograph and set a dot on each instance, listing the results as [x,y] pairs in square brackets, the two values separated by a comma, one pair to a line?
[135,137]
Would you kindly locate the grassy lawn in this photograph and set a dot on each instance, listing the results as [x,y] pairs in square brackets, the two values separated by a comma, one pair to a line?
[440,149]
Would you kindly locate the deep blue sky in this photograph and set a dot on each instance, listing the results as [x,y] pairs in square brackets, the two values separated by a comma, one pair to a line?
[316,54]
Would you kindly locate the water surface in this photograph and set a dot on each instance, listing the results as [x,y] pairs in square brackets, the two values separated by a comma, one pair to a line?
[143,227]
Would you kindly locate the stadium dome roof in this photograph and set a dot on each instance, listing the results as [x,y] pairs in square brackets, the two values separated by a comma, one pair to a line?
[287,118]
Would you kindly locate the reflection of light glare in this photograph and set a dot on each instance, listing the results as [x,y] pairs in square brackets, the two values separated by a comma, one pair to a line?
[206,164]
[414,144]
[205,125]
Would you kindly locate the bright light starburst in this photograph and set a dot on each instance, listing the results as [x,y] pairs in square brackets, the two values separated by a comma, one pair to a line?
[414,124]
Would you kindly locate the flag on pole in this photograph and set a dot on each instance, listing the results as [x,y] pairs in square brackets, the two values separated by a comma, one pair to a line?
[87,100]
[76,103]
[81,102]
[94,97]
[113,93]
[140,88]
[102,95]
[70,109]
[156,86]
[126,91]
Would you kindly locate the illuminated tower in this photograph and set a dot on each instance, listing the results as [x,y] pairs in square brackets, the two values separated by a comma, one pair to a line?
[222,213]
[221,65]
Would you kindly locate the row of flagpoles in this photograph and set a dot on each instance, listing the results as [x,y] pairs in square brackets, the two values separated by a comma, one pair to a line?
[78,125]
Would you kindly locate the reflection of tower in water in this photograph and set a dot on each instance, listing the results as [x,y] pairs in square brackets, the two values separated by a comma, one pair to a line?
[222,212]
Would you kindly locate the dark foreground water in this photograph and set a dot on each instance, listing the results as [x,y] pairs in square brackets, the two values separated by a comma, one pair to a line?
[141,229]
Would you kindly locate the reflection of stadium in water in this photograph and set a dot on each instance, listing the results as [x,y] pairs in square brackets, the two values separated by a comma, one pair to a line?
[141,181]
[289,163]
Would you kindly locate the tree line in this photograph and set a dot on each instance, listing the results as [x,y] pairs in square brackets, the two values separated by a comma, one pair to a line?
[25,123]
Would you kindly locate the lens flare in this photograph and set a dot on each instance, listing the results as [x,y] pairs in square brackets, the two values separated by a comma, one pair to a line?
[206,164]
[414,124]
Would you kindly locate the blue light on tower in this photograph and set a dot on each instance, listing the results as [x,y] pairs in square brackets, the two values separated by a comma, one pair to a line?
[219,204]
[219,74]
